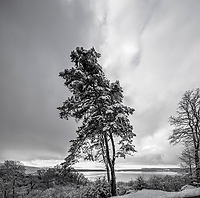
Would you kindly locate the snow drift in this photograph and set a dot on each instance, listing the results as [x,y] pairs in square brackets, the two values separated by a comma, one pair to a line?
[188,192]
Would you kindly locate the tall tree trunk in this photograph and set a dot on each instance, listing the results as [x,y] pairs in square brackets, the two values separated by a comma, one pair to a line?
[13,188]
[188,149]
[105,160]
[113,177]
[197,164]
[190,169]
[5,194]
[112,169]
[113,182]
[196,152]
[108,172]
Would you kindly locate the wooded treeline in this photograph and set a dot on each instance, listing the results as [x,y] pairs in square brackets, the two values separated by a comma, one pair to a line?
[15,183]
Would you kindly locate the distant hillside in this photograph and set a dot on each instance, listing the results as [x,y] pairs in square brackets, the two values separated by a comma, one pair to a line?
[32,169]
[29,169]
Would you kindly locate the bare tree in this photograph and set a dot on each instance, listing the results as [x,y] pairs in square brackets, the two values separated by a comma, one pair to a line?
[187,157]
[187,124]
[11,174]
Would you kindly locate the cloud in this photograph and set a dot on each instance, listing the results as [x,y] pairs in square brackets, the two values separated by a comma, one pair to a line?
[121,50]
[36,40]
[169,64]
[152,50]
[154,150]
[151,47]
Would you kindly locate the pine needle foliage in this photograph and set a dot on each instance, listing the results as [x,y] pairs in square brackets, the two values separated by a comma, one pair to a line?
[98,104]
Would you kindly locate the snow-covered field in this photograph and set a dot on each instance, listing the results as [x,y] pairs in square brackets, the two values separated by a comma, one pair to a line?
[189,192]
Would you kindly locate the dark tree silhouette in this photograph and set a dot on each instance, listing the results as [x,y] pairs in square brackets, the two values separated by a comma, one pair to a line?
[11,174]
[98,104]
[187,124]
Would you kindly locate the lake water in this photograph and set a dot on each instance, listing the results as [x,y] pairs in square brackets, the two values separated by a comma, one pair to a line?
[126,176]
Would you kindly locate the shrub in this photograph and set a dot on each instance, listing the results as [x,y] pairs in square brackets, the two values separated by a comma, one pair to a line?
[125,187]
[173,183]
[68,175]
[99,188]
[131,183]
[34,194]
[140,183]
[155,182]
[167,183]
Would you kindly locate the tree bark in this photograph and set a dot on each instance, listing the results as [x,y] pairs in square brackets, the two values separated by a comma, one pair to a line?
[190,169]
[5,194]
[105,160]
[108,172]
[112,169]
[113,177]
[113,182]
[13,188]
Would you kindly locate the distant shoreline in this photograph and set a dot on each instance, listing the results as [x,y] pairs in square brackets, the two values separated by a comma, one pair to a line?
[134,170]
[30,169]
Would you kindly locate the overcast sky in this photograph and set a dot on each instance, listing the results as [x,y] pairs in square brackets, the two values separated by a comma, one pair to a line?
[151,46]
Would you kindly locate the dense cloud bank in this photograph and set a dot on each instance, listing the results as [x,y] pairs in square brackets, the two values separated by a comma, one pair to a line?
[151,47]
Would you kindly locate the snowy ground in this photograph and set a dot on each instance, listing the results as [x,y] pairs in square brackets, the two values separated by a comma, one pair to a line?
[187,193]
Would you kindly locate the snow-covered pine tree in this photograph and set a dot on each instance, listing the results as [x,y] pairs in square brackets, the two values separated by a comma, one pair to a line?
[98,104]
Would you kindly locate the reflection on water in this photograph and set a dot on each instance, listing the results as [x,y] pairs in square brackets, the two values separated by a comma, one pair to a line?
[126,176]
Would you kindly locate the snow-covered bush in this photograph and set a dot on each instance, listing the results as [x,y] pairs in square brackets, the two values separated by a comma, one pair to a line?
[167,183]
[56,192]
[155,182]
[140,183]
[99,188]
[125,187]
[173,183]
